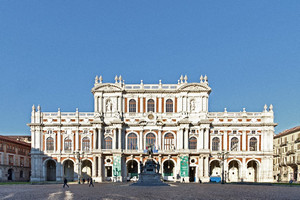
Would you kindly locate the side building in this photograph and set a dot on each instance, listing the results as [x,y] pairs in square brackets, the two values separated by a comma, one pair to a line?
[170,119]
[14,160]
[287,155]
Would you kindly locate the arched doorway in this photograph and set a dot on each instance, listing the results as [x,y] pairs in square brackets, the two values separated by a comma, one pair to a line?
[86,170]
[51,170]
[215,169]
[233,173]
[69,170]
[294,172]
[252,171]
[132,169]
[168,168]
[11,175]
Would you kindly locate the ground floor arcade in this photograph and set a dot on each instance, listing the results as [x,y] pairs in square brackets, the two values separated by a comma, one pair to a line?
[173,167]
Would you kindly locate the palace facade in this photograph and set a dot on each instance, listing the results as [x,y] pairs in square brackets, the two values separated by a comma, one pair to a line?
[173,120]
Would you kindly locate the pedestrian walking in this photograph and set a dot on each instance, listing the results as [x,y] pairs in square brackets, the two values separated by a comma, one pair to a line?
[83,181]
[65,183]
[91,182]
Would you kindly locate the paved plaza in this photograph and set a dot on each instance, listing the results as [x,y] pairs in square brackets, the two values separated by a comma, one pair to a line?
[125,191]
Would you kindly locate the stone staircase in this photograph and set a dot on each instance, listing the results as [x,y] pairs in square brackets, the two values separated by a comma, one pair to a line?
[149,180]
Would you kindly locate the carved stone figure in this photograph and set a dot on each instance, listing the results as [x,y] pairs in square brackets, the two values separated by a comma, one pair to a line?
[108,106]
[193,106]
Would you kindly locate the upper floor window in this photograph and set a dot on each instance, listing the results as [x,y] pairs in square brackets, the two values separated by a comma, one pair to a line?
[1,146]
[193,143]
[215,131]
[169,141]
[150,105]
[253,132]
[50,144]
[234,132]
[253,144]
[234,144]
[132,105]
[215,144]
[169,105]
[68,144]
[150,139]
[86,144]
[132,141]
[107,143]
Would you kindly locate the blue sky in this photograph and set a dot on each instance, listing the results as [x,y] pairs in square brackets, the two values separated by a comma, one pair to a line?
[50,52]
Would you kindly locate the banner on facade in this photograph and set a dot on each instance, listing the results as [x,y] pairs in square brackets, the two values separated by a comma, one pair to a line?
[184,166]
[117,166]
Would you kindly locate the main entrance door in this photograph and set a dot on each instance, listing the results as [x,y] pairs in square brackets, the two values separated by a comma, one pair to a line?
[192,174]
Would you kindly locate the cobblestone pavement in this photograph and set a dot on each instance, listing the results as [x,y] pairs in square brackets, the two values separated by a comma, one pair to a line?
[124,191]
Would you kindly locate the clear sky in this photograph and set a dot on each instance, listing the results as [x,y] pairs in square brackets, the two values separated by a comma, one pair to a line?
[51,51]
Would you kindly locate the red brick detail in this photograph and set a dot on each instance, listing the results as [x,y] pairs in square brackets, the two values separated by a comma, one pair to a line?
[175,104]
[125,105]
[162,105]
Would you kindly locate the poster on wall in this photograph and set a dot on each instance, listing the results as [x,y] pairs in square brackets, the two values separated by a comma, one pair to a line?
[117,166]
[184,166]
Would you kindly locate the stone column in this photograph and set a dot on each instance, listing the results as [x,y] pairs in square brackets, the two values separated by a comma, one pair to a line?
[94,167]
[100,168]
[100,137]
[186,138]
[200,140]
[159,140]
[100,104]
[182,138]
[58,141]
[244,141]
[38,138]
[206,167]
[96,99]
[95,133]
[141,140]
[119,138]
[159,161]
[200,165]
[114,139]
[76,140]
[206,138]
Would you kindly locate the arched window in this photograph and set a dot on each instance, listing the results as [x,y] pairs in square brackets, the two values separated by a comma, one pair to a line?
[193,143]
[107,143]
[68,144]
[50,144]
[215,144]
[169,142]
[150,139]
[234,144]
[132,105]
[150,105]
[169,105]
[86,144]
[253,144]
[132,141]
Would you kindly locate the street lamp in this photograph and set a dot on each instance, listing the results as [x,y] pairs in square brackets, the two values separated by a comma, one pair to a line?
[223,155]
[77,153]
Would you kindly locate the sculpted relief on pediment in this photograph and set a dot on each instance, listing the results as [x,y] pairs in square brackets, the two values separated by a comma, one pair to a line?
[108,88]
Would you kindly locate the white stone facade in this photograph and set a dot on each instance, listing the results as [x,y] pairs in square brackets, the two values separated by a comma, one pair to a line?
[171,118]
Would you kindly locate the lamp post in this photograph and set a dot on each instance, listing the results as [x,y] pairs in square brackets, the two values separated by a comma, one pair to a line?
[223,155]
[77,153]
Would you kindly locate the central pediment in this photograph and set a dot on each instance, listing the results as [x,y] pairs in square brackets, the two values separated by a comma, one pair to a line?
[108,87]
[195,87]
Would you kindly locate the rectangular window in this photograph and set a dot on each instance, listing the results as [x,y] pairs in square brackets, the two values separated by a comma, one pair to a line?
[11,160]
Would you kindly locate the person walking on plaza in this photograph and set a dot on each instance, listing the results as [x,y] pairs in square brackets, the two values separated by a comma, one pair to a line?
[65,183]
[91,182]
